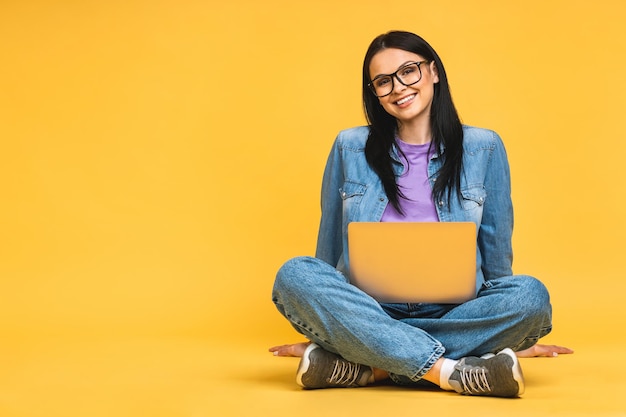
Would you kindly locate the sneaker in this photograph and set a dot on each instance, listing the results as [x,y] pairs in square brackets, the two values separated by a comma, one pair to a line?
[497,376]
[320,368]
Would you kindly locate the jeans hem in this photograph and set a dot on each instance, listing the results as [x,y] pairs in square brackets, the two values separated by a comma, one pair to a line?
[402,379]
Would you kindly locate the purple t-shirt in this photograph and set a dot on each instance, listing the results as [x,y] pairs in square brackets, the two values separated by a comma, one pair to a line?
[418,204]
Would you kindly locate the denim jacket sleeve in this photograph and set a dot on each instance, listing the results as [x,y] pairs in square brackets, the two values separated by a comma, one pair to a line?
[496,227]
[329,240]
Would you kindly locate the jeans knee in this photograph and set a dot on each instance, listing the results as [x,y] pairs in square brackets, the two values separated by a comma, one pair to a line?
[297,278]
[292,273]
[535,301]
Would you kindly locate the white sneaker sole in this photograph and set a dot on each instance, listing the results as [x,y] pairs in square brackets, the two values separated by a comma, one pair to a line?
[305,362]
[517,369]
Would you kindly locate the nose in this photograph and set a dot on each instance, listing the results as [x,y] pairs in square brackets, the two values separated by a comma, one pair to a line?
[397,84]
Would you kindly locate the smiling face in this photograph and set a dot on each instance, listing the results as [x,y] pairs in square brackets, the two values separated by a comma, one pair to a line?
[411,104]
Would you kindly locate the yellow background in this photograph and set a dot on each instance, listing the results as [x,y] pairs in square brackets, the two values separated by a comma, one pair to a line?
[159,160]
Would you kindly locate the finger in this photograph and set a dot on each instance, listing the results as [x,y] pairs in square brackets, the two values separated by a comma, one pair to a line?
[279,347]
[552,350]
[275,348]
[281,351]
[560,349]
[295,349]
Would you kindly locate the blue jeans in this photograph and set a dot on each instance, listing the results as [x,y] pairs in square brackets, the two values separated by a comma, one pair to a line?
[407,339]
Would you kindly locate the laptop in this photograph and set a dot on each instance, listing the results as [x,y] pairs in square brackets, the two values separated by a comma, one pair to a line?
[410,262]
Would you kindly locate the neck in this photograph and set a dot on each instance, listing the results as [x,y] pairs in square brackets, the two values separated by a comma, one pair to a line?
[416,133]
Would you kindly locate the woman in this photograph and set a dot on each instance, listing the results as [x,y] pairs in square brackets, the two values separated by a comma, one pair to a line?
[415,161]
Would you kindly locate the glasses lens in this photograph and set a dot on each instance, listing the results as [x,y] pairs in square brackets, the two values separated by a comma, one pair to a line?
[409,74]
[382,85]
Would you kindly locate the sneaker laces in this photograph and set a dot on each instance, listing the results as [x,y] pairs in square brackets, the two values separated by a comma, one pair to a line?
[474,380]
[345,373]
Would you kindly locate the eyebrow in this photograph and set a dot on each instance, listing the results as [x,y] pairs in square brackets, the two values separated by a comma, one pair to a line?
[386,75]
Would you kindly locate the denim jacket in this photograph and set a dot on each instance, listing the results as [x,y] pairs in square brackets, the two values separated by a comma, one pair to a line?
[352,192]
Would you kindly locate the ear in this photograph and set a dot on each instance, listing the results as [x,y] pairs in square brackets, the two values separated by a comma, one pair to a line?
[433,70]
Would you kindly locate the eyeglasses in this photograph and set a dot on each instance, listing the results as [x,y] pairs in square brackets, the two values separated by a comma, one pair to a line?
[408,74]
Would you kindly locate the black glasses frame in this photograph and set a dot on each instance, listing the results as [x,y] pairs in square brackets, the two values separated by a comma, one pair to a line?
[397,77]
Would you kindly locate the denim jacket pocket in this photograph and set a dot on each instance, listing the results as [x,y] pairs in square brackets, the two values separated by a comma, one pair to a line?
[351,189]
[351,193]
[473,197]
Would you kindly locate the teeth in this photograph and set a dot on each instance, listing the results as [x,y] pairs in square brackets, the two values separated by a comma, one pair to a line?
[404,100]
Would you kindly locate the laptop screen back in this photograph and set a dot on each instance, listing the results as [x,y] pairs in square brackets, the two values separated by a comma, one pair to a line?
[408,262]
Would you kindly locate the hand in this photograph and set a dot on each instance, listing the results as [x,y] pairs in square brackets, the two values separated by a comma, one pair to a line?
[543,351]
[297,350]
[294,349]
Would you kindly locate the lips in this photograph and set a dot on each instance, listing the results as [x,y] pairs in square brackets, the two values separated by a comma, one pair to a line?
[405,99]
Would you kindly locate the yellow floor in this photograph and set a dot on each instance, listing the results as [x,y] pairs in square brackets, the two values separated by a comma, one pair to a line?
[196,378]
[161,159]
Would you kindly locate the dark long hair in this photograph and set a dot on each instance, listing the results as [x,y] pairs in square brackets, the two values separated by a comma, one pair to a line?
[444,120]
